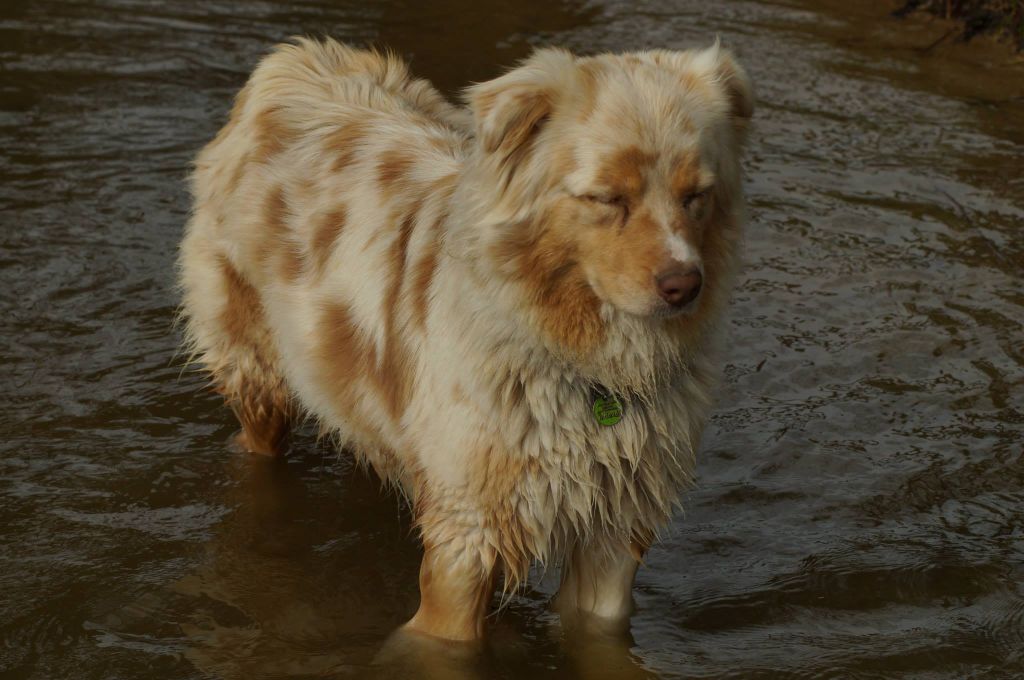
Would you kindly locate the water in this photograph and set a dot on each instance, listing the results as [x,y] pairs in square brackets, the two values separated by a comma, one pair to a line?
[859,512]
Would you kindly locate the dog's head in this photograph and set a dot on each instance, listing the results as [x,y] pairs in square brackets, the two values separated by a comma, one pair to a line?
[614,179]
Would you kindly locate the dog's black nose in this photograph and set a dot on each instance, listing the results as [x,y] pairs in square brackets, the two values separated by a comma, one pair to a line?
[679,286]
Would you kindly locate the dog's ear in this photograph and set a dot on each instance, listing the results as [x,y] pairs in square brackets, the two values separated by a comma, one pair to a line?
[731,77]
[510,109]
[719,67]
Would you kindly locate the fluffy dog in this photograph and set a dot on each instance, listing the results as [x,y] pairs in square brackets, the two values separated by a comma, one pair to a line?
[506,310]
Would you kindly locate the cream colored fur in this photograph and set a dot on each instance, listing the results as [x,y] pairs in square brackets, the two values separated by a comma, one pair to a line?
[344,261]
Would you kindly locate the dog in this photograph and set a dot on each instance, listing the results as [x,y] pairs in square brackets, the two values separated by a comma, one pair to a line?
[507,309]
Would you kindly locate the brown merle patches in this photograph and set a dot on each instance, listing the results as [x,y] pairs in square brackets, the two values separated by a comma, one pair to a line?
[242,315]
[254,389]
[400,247]
[326,234]
[344,144]
[624,172]
[393,167]
[389,371]
[625,268]
[517,116]
[270,133]
[393,377]
[277,243]
[347,358]
[270,137]
[686,176]
[265,412]
[275,212]
[426,265]
[345,353]
[546,264]
[291,262]
[423,276]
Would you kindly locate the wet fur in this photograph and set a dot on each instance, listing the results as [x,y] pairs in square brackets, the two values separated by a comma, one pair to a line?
[432,284]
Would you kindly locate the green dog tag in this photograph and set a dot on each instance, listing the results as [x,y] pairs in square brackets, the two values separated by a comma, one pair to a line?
[607,409]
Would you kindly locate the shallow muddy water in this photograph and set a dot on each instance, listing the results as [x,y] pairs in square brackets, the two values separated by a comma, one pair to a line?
[860,503]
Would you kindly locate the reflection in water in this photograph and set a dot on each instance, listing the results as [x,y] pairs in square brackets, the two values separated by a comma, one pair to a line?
[859,510]
[301,580]
[273,580]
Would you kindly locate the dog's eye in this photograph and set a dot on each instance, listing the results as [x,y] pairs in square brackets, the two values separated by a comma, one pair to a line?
[695,197]
[694,203]
[604,199]
[616,201]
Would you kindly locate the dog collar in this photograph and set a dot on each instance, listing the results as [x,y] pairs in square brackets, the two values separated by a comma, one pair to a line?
[607,407]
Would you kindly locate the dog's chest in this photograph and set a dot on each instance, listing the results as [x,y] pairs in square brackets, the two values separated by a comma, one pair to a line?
[599,459]
[580,426]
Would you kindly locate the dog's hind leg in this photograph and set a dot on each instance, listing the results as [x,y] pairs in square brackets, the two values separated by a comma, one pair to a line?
[226,331]
[263,410]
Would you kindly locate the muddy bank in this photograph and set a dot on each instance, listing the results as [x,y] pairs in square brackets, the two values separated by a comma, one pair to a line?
[1003,19]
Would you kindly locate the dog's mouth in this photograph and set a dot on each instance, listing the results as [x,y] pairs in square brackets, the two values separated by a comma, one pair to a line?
[663,310]
[646,306]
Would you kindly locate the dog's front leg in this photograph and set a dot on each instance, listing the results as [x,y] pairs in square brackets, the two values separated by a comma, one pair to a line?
[456,587]
[597,580]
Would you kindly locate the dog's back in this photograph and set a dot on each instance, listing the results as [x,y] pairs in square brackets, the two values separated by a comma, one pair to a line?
[328,151]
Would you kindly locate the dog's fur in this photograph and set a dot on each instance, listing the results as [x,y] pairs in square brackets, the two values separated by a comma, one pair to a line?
[445,288]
